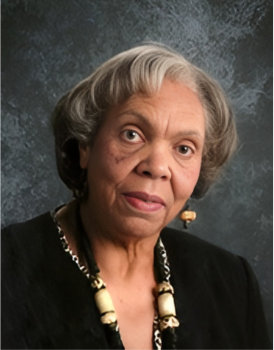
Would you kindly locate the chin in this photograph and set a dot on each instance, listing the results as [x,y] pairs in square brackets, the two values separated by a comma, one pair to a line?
[140,228]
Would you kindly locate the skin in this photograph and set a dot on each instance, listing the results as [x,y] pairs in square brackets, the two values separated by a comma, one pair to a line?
[151,145]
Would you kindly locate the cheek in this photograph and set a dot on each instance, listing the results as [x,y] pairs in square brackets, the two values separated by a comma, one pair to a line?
[195,173]
[108,162]
[186,182]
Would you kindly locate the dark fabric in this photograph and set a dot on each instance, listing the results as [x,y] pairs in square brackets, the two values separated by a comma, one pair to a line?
[47,302]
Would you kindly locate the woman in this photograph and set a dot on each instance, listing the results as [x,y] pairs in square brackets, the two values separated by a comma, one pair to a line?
[134,141]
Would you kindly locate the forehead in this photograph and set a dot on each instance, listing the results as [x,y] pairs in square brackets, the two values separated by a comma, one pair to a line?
[173,94]
[173,105]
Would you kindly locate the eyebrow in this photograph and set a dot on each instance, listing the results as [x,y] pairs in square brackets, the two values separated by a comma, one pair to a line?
[140,116]
[146,121]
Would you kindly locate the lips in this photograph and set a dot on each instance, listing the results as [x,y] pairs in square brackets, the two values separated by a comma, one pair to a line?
[144,201]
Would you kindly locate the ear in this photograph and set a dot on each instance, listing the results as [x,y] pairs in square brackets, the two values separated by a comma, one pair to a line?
[83,155]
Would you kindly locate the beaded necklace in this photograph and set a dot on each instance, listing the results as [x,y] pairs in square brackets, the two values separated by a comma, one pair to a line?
[165,320]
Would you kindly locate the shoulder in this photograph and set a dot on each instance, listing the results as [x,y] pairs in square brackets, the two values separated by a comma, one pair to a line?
[42,222]
[218,286]
[192,258]
[29,241]
[197,264]
[183,245]
[46,300]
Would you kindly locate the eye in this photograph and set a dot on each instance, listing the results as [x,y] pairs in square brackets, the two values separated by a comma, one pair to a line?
[185,150]
[132,136]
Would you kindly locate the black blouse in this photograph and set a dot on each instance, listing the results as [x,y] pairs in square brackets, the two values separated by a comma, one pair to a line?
[47,302]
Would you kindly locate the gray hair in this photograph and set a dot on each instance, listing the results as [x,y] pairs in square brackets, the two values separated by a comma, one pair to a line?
[79,113]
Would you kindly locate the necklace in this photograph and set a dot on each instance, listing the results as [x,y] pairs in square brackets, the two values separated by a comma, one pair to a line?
[165,321]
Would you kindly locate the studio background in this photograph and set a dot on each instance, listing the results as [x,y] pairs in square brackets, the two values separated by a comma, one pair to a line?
[49,46]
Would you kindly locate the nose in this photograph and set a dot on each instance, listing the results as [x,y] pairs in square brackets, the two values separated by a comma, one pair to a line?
[155,164]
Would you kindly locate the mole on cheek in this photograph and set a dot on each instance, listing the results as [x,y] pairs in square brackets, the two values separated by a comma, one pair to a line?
[115,155]
[119,159]
[124,155]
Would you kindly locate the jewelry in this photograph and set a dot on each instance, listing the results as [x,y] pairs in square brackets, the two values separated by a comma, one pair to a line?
[164,323]
[166,307]
[187,216]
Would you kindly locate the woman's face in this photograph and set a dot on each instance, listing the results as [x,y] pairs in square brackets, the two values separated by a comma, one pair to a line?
[144,162]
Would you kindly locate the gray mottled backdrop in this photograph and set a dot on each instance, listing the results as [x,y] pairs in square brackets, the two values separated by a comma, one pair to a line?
[49,45]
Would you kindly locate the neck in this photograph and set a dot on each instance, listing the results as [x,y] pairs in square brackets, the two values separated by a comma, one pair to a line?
[119,257]
[127,266]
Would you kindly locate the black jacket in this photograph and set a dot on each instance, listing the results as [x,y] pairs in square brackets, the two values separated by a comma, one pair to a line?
[47,302]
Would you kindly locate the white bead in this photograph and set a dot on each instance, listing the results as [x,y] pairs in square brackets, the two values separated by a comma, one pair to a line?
[103,301]
[166,305]
[164,287]
[98,283]
[169,322]
[108,318]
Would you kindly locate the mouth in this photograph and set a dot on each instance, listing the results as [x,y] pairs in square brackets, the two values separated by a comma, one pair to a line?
[144,201]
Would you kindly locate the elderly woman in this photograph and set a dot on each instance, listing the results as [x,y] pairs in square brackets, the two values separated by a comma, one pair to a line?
[134,141]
